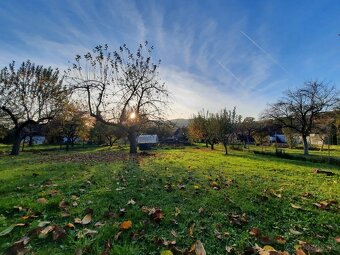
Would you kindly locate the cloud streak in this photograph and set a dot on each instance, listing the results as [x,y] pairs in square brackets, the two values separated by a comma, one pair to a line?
[264,51]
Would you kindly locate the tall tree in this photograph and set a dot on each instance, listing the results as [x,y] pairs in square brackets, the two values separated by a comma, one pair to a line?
[299,108]
[29,95]
[121,88]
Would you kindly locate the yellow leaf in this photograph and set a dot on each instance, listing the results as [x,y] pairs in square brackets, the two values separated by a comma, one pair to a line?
[177,211]
[126,225]
[166,252]
[268,248]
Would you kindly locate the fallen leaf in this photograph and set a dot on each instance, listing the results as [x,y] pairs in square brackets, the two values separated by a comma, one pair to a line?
[10,228]
[63,204]
[77,221]
[166,252]
[18,248]
[255,232]
[177,211]
[87,219]
[70,225]
[280,240]
[191,230]
[300,252]
[229,249]
[295,232]
[131,202]
[107,248]
[99,224]
[125,225]
[58,233]
[296,206]
[174,233]
[201,210]
[43,223]
[118,235]
[238,220]
[199,248]
[86,233]
[42,200]
[44,233]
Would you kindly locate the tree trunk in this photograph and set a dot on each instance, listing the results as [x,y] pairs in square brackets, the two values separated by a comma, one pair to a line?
[305,145]
[30,143]
[212,146]
[16,145]
[132,136]
[226,148]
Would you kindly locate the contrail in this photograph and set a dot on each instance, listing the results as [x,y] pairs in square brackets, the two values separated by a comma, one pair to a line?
[229,71]
[265,52]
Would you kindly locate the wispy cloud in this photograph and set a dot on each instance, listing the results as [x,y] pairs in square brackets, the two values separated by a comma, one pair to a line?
[264,51]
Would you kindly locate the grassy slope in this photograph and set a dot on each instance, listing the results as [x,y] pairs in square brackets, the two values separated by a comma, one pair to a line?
[153,182]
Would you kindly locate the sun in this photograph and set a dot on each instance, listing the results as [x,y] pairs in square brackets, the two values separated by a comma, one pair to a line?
[133,115]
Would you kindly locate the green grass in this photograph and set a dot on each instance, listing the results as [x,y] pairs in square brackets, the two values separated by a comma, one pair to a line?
[105,180]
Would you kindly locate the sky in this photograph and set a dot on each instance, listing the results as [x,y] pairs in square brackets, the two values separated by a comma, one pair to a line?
[214,54]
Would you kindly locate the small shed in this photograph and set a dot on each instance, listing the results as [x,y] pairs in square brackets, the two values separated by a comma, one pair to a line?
[146,142]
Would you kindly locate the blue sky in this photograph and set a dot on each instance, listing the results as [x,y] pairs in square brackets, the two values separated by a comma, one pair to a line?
[214,54]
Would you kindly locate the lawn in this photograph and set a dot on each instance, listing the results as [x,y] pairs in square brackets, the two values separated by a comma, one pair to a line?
[101,200]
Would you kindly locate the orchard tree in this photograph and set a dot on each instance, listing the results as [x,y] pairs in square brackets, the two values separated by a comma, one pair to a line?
[120,88]
[228,123]
[29,95]
[247,128]
[299,108]
[70,125]
[290,135]
[102,132]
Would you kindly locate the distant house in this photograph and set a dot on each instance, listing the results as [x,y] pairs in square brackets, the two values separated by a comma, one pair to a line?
[277,138]
[146,142]
[178,137]
[35,139]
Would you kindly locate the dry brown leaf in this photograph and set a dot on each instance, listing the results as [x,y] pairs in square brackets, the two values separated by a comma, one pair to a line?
[44,233]
[42,200]
[18,248]
[255,232]
[58,233]
[118,235]
[300,252]
[87,219]
[191,230]
[174,233]
[70,225]
[280,240]
[199,248]
[295,232]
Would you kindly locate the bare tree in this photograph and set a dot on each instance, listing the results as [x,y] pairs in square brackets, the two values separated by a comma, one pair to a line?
[121,88]
[29,95]
[299,108]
